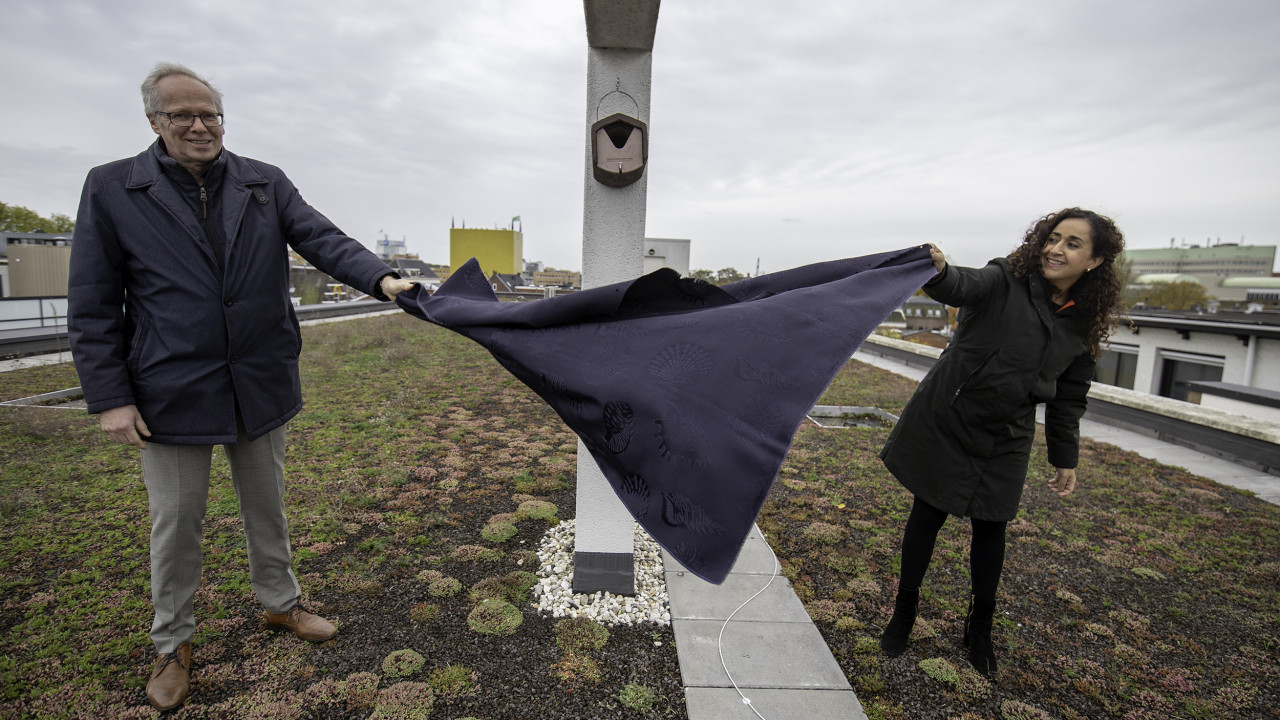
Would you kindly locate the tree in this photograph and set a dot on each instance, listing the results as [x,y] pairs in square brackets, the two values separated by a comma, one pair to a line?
[61,223]
[15,218]
[724,276]
[1180,295]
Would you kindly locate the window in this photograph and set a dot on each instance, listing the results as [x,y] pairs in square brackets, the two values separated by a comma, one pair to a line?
[1118,366]
[1178,369]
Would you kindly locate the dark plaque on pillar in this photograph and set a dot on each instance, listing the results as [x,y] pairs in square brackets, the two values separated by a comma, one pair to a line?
[604,572]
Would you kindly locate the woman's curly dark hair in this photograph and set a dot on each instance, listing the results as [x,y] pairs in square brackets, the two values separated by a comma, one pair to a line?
[1098,292]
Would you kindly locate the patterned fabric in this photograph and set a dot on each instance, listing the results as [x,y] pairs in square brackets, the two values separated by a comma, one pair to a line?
[686,394]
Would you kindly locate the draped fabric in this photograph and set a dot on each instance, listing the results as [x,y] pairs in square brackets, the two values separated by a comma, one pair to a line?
[687,395]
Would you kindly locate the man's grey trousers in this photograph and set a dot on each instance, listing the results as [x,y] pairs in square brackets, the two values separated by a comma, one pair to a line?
[177,480]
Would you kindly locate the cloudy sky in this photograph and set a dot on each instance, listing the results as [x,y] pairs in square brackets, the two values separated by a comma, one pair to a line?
[782,133]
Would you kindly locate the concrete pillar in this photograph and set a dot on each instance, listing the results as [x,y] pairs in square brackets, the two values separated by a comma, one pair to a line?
[619,70]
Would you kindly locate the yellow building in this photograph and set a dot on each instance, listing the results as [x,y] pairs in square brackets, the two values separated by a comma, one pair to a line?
[499,251]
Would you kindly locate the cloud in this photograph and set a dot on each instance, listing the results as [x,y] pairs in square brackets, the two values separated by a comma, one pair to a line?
[791,133]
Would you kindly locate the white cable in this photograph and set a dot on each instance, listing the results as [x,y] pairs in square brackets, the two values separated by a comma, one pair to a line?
[720,641]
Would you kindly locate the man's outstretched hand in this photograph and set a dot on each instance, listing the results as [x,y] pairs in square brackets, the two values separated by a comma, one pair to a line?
[392,286]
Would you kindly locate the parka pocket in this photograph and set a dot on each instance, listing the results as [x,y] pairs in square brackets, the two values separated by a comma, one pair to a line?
[972,374]
[138,344]
[297,332]
[991,395]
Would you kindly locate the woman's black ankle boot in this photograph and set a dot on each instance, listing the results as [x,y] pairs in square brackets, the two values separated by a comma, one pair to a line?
[894,639]
[977,636]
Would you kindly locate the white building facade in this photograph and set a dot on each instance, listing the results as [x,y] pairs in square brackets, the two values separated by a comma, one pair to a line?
[1161,354]
[663,252]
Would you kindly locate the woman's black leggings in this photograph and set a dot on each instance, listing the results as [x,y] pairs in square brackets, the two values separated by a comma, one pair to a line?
[986,552]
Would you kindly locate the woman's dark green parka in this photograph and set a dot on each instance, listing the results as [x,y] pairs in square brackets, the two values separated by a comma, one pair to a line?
[964,439]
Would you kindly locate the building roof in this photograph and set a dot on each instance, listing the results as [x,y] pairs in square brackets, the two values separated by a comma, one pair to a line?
[18,238]
[1153,278]
[1246,281]
[1260,324]
[1224,251]
[416,268]
[510,280]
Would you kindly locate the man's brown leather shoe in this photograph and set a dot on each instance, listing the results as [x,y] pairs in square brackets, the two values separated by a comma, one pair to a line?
[170,678]
[309,627]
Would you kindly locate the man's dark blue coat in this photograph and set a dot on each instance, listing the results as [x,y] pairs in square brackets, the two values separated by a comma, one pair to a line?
[687,395]
[154,321]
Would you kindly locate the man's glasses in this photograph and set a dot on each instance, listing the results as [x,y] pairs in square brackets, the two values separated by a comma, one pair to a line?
[187,119]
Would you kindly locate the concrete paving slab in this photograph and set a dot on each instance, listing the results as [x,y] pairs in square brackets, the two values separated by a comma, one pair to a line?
[726,704]
[693,598]
[755,558]
[759,654]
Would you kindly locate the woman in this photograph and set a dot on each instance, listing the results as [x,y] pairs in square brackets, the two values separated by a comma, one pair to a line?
[1030,328]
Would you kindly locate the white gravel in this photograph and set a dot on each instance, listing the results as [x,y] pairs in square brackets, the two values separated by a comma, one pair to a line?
[554,594]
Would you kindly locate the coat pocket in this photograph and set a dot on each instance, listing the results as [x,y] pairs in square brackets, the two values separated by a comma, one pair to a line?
[297,332]
[990,396]
[971,378]
[138,344]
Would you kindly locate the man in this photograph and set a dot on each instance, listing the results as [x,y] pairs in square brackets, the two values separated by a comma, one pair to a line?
[184,337]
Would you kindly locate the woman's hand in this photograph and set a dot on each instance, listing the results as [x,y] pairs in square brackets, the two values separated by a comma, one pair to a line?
[1064,482]
[939,260]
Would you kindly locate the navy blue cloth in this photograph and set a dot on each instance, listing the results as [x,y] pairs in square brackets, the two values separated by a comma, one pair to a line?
[157,321]
[686,394]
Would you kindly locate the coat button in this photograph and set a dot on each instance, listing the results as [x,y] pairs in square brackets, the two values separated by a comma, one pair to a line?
[227,302]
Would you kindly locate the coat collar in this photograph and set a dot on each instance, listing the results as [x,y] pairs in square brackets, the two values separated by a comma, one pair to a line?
[146,169]
[1039,291]
[147,174]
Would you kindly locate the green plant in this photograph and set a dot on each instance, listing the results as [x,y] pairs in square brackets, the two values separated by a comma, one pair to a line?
[829,611]
[634,696]
[476,553]
[526,483]
[362,689]
[452,680]
[495,617]
[526,559]
[404,701]
[964,680]
[512,587]
[580,635]
[430,576]
[849,624]
[324,693]
[1014,710]
[498,532]
[940,669]
[402,663]
[536,510]
[882,709]
[825,533]
[870,684]
[865,645]
[444,587]
[424,612]
[577,668]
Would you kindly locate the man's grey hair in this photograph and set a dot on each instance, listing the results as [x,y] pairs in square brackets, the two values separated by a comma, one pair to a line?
[151,93]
